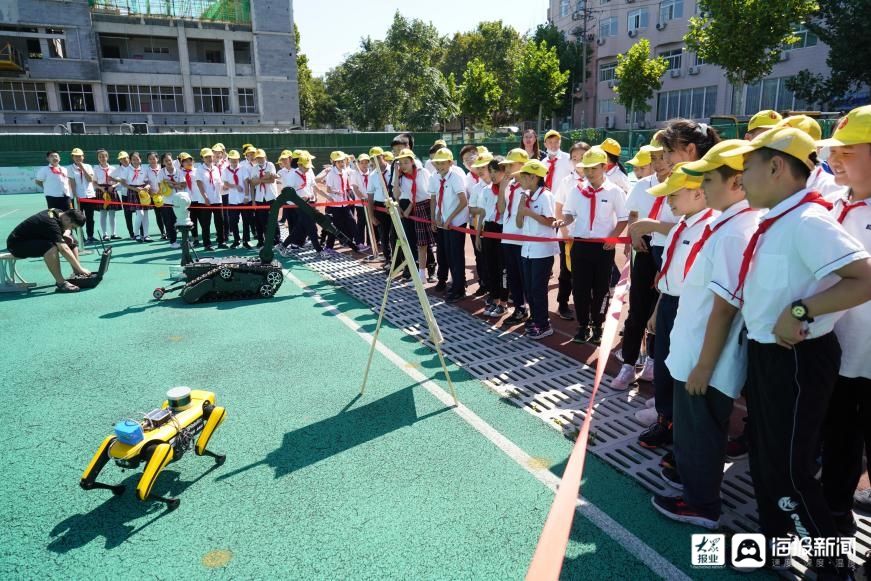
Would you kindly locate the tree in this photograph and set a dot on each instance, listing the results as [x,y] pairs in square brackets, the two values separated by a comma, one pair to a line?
[639,77]
[480,92]
[304,83]
[764,26]
[570,55]
[845,27]
[540,82]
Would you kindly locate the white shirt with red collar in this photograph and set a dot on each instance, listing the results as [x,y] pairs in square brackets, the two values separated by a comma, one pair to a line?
[339,184]
[541,203]
[419,193]
[84,186]
[446,191]
[265,192]
[234,178]
[558,165]
[609,202]
[854,327]
[298,179]
[54,180]
[513,193]
[823,182]
[678,246]
[210,177]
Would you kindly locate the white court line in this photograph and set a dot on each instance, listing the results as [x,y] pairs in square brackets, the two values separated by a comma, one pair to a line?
[7,213]
[631,543]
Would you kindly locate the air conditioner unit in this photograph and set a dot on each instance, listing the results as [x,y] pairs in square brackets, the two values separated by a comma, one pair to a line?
[140,128]
[784,56]
[76,127]
[600,41]
[633,33]
[675,73]
[694,70]
[609,122]
[661,25]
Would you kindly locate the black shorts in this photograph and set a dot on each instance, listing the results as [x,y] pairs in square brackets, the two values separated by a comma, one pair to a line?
[28,248]
[58,202]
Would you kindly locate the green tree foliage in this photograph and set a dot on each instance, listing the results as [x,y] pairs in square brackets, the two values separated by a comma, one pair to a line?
[639,76]
[305,82]
[570,55]
[540,82]
[480,93]
[845,26]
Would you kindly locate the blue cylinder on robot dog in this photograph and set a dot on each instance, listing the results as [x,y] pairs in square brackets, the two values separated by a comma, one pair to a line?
[179,398]
[129,432]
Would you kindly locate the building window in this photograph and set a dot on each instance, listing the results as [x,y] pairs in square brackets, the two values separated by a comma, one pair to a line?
[17,96]
[247,101]
[608,27]
[156,50]
[806,38]
[697,60]
[564,7]
[34,51]
[670,10]
[674,58]
[607,72]
[242,52]
[695,103]
[211,100]
[771,94]
[637,19]
[607,106]
[76,97]
[142,99]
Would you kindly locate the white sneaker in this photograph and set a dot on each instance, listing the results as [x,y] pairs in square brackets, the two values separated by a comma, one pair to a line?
[647,371]
[650,403]
[646,416]
[624,379]
[422,273]
[175,245]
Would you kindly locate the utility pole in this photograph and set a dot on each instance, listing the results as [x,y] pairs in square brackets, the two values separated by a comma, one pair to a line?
[580,32]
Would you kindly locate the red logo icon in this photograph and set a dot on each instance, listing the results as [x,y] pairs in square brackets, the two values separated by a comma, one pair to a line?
[843,123]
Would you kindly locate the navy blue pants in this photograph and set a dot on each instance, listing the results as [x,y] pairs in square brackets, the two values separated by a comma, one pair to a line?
[536,276]
[662,380]
[511,255]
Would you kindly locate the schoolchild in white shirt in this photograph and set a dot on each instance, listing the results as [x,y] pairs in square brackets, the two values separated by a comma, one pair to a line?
[121,176]
[799,272]
[106,191]
[614,170]
[450,209]
[191,191]
[54,181]
[170,182]
[512,255]
[414,202]
[568,183]
[233,185]
[210,187]
[376,193]
[152,180]
[263,178]
[339,190]
[302,180]
[558,162]
[489,219]
[360,185]
[469,155]
[82,178]
[139,189]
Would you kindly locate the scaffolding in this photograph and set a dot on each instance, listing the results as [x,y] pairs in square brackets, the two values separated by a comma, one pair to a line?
[229,11]
[10,59]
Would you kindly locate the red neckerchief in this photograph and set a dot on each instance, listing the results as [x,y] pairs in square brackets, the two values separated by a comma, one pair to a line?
[211,175]
[511,189]
[474,177]
[105,174]
[302,176]
[548,181]
[707,233]
[682,225]
[135,174]
[529,199]
[81,171]
[590,193]
[235,173]
[413,178]
[657,206]
[812,197]
[262,185]
[365,180]
[154,171]
[441,194]
[188,180]
[58,171]
[495,189]
[847,209]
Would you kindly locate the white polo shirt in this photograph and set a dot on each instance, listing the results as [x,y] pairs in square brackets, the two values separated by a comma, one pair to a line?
[173,177]
[103,174]
[639,199]
[264,192]
[714,271]
[121,173]
[610,209]
[854,327]
[210,177]
[472,182]
[84,186]
[672,281]
[152,178]
[340,184]
[361,180]
[513,193]
[795,259]
[191,189]
[567,184]
[564,166]
[298,179]
[454,185]
[136,176]
[487,201]
[823,182]
[234,178]
[421,195]
[376,186]
[541,202]
[618,178]
[54,183]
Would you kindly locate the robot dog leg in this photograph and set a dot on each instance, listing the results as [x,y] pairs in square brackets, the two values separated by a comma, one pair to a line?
[213,415]
[89,477]
[161,455]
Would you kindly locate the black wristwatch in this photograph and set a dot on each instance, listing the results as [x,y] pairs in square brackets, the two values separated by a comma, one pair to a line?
[799,311]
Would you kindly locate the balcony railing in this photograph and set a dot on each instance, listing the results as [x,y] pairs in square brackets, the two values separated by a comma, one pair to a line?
[229,11]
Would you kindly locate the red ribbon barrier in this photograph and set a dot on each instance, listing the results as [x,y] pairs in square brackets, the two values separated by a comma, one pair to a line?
[262,206]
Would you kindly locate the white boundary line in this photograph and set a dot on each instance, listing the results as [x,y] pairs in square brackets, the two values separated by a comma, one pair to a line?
[7,213]
[631,543]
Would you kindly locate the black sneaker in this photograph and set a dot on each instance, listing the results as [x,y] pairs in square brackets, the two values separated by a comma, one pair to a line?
[566,313]
[676,509]
[596,337]
[223,246]
[737,448]
[497,311]
[583,335]
[246,245]
[671,477]
[518,316]
[208,249]
[657,435]
[454,297]
[440,286]
[234,245]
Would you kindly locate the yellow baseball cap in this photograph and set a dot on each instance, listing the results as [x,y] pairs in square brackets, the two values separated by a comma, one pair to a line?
[593,157]
[233,154]
[552,133]
[483,159]
[788,140]
[363,157]
[123,155]
[204,152]
[807,124]
[306,152]
[678,180]
[641,159]
[247,145]
[714,159]
[443,154]
[611,146]
[441,142]
[853,129]
[260,153]
[482,150]
[77,151]
[516,155]
[184,155]
[766,118]
[338,156]
[534,167]
[249,149]
[305,160]
[219,147]
[388,156]
[375,152]
[406,153]
[656,142]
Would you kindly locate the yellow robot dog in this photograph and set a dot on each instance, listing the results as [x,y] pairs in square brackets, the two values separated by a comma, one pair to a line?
[162,436]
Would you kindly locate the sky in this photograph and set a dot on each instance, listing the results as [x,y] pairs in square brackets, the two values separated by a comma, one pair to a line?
[331,30]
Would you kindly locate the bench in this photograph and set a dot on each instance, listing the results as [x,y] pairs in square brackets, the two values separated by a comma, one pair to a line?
[10,280]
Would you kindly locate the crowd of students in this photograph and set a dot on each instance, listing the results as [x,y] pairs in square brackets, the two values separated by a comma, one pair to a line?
[749,268]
